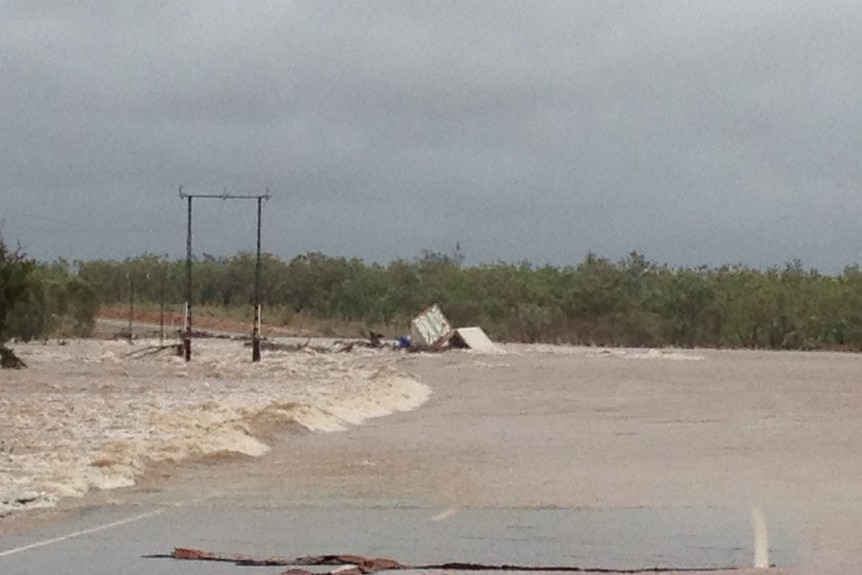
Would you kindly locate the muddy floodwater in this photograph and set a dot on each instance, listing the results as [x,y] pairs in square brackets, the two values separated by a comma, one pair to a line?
[707,436]
[98,414]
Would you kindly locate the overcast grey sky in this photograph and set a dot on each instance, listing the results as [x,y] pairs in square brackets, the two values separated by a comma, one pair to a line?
[692,132]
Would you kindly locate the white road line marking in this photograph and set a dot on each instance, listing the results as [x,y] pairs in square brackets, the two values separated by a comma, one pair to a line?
[761,539]
[80,533]
[445,515]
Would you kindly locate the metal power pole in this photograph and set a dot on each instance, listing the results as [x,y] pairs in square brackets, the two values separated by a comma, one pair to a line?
[162,308]
[131,306]
[255,332]
[255,336]
[187,334]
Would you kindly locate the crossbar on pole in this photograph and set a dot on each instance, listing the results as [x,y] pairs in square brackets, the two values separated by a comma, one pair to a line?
[255,336]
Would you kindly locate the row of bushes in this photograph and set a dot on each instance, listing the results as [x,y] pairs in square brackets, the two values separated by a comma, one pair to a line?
[40,301]
[57,304]
[631,302]
[54,303]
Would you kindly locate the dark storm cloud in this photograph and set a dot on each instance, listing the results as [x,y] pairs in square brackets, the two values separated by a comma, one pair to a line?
[692,132]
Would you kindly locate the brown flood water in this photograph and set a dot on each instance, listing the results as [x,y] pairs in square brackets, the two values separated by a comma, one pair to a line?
[569,428]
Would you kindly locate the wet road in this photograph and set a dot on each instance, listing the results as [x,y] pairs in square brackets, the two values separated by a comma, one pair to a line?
[127,540]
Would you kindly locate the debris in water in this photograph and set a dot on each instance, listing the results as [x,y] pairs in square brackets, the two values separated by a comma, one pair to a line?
[347,564]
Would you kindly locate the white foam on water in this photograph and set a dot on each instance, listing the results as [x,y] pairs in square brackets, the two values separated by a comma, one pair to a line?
[665,354]
[84,416]
[620,353]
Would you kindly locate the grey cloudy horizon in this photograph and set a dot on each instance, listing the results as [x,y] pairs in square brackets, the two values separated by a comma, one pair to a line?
[691,132]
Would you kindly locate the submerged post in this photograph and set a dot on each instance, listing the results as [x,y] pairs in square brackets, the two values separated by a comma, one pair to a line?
[162,310]
[131,305]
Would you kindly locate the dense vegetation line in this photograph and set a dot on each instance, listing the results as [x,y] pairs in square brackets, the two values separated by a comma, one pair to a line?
[40,300]
[631,302]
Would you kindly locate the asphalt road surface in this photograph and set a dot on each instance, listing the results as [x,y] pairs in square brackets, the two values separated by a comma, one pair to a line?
[132,540]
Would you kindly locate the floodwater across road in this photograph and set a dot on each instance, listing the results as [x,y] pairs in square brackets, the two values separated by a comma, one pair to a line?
[617,459]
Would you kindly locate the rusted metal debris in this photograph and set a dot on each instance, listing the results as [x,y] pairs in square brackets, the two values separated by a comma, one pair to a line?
[365,565]
[236,558]
[347,564]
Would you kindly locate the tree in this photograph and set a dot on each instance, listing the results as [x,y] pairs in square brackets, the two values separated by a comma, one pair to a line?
[15,285]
